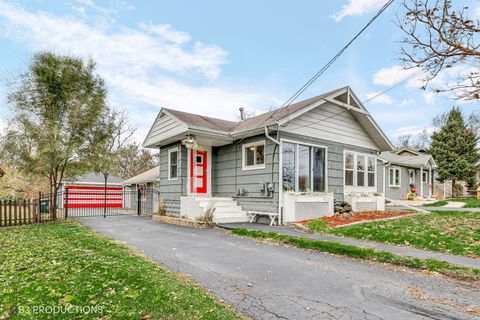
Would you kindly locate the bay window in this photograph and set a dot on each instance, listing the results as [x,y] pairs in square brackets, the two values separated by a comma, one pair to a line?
[360,170]
[303,167]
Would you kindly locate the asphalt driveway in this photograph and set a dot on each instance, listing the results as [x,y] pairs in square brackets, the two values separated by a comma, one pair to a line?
[266,281]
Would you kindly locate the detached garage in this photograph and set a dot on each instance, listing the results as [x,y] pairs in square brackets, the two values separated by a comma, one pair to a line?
[88,191]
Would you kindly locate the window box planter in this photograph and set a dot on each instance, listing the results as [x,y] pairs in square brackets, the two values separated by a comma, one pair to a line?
[298,206]
[366,201]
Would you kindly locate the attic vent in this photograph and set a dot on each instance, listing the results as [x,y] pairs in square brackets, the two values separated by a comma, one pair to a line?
[342,98]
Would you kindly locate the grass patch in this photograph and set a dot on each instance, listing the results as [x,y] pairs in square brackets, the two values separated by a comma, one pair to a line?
[363,253]
[318,225]
[440,203]
[66,264]
[450,232]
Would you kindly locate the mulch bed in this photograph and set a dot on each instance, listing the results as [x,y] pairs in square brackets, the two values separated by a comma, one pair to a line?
[338,220]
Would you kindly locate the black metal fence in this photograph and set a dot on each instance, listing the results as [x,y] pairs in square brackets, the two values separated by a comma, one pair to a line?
[77,204]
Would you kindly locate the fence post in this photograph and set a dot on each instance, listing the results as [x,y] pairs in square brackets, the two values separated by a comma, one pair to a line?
[65,203]
[39,210]
[139,201]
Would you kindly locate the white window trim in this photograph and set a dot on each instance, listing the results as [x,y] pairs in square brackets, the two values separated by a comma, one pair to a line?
[169,163]
[365,187]
[244,156]
[395,168]
[297,143]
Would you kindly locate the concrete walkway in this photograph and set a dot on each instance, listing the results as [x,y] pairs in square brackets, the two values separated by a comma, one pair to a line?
[402,251]
[267,281]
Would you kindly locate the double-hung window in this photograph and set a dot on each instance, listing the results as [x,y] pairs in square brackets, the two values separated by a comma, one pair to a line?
[253,155]
[303,167]
[394,177]
[360,170]
[173,164]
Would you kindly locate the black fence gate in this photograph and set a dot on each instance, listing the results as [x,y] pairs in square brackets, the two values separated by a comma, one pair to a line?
[102,203]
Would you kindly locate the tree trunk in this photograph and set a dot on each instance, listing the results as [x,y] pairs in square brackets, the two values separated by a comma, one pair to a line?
[453,188]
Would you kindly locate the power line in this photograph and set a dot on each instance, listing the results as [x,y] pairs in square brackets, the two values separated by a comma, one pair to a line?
[328,64]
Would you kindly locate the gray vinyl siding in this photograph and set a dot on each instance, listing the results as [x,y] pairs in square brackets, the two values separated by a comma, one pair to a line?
[398,193]
[163,128]
[172,190]
[335,152]
[227,162]
[332,123]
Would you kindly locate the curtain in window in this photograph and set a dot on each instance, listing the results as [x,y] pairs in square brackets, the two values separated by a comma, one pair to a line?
[318,169]
[288,166]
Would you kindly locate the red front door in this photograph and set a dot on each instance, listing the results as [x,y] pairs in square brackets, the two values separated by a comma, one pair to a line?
[198,171]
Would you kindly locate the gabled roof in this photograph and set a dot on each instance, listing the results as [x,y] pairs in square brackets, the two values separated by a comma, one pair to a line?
[414,161]
[342,96]
[279,114]
[196,120]
[151,175]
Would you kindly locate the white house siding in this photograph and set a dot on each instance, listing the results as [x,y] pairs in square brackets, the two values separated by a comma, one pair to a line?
[172,190]
[163,128]
[332,123]
[225,163]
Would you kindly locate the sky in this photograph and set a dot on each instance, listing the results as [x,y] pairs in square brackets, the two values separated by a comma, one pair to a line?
[212,57]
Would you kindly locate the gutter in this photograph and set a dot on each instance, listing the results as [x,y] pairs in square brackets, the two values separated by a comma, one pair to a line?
[270,137]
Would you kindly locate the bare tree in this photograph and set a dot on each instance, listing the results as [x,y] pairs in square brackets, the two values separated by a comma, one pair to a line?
[440,36]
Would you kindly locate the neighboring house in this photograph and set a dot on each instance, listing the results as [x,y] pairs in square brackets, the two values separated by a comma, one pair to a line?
[86,191]
[406,168]
[148,180]
[291,161]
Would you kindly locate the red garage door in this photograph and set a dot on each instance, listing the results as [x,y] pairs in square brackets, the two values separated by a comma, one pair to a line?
[80,197]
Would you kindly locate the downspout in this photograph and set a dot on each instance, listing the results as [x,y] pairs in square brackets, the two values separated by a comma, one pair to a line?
[384,182]
[277,143]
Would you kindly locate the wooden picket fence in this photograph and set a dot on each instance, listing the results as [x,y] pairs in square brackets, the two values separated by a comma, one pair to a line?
[19,212]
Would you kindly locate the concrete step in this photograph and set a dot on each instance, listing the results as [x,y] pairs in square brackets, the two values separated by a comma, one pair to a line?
[234,208]
[222,203]
[231,219]
[230,214]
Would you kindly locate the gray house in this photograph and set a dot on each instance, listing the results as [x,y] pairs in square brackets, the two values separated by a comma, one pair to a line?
[148,183]
[407,169]
[289,163]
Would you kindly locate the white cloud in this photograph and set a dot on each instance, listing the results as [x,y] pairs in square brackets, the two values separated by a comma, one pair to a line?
[429,98]
[411,130]
[379,98]
[393,75]
[144,68]
[357,8]
[406,102]
[166,32]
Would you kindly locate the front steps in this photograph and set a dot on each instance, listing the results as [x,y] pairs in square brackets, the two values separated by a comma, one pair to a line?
[226,209]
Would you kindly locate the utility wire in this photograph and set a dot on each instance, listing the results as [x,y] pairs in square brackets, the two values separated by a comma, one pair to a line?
[328,64]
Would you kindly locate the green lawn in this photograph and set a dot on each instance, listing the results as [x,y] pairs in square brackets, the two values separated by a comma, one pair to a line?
[67,265]
[363,253]
[450,232]
[469,202]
